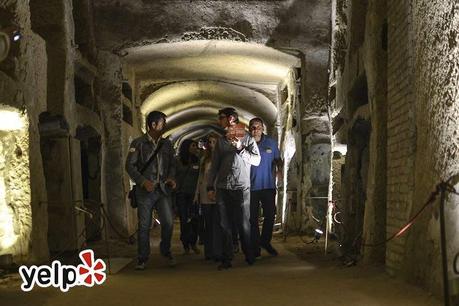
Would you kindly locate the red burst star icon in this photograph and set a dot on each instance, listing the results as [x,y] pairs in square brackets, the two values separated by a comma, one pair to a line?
[91,271]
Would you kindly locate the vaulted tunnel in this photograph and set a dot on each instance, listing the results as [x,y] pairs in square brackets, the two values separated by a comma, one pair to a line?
[197,78]
[361,97]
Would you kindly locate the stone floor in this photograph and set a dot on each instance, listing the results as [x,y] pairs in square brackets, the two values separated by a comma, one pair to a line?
[301,275]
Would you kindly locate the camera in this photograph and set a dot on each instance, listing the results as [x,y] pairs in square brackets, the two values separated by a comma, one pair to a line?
[165,188]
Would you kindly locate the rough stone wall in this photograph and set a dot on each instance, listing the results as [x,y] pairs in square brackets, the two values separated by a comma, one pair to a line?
[337,162]
[129,133]
[291,24]
[436,62]
[23,86]
[360,107]
[109,92]
[316,168]
[375,62]
[296,24]
[401,133]
[421,122]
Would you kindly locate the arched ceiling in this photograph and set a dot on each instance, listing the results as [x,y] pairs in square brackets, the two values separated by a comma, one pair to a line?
[195,132]
[211,60]
[205,98]
[204,76]
[192,126]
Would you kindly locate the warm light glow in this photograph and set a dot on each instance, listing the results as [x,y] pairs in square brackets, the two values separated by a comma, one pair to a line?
[176,98]
[7,236]
[211,60]
[15,209]
[341,148]
[10,121]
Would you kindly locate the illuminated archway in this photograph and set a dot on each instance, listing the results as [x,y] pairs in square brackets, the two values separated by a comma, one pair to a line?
[15,208]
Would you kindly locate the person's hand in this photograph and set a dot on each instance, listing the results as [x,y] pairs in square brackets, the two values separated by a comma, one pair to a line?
[171,183]
[236,142]
[148,185]
[211,195]
[196,197]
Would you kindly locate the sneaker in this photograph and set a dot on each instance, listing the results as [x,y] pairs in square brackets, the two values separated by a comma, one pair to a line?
[224,265]
[250,261]
[140,265]
[171,261]
[269,248]
[195,249]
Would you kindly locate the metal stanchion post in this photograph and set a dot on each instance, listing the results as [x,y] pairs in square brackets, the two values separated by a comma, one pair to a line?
[107,246]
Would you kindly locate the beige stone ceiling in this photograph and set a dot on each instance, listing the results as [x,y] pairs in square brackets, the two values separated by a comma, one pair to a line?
[210,60]
[204,76]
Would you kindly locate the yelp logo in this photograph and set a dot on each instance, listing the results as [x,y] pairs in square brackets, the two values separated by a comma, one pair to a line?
[64,277]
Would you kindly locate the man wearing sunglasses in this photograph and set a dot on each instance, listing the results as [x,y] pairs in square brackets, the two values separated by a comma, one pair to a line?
[234,154]
[153,184]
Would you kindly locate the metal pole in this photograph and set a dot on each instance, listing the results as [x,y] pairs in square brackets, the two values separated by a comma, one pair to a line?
[443,248]
[328,219]
[107,243]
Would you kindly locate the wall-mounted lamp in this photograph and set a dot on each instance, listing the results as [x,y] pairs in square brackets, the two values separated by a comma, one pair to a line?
[318,233]
[16,36]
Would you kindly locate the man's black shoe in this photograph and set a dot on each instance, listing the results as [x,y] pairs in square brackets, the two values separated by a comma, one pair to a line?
[140,265]
[224,265]
[257,253]
[269,248]
[250,261]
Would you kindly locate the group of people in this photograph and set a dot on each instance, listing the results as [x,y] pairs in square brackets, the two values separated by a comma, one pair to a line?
[226,181]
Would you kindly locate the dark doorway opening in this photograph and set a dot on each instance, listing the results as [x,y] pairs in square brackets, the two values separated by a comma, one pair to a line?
[90,149]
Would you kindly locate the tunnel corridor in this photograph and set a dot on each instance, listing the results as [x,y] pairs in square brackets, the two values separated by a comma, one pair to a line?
[360,98]
[303,277]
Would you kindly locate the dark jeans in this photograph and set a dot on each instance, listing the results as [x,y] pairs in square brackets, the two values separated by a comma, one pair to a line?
[267,198]
[234,210]
[146,202]
[187,212]
[210,233]
[201,226]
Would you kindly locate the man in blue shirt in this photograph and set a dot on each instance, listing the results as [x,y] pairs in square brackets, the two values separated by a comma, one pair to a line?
[263,188]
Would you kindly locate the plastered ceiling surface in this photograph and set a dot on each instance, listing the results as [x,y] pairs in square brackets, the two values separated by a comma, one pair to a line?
[204,76]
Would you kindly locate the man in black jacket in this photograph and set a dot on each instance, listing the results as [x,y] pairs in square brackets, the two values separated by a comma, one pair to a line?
[230,171]
[153,185]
